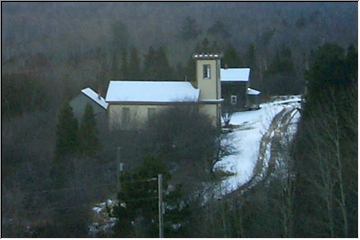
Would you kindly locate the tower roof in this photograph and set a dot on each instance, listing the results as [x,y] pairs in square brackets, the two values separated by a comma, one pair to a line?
[207,55]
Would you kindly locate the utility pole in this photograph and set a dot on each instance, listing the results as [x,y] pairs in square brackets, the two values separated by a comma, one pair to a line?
[161,227]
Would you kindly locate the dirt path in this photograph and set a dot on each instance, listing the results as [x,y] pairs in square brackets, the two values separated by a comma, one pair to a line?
[268,151]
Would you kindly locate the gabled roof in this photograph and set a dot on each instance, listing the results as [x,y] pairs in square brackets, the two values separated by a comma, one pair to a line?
[251,91]
[151,91]
[95,97]
[234,74]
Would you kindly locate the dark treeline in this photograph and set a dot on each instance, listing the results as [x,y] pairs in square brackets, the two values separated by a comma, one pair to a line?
[326,147]
[71,46]
[53,50]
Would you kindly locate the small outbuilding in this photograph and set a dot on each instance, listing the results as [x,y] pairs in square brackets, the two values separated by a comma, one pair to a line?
[236,91]
[234,84]
[253,98]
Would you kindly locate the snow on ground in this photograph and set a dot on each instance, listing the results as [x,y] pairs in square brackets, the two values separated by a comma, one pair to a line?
[102,221]
[293,123]
[252,125]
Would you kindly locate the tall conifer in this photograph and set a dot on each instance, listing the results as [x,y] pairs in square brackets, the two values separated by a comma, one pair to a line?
[89,143]
[66,132]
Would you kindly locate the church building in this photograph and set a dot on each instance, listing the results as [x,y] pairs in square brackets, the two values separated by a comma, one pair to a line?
[132,103]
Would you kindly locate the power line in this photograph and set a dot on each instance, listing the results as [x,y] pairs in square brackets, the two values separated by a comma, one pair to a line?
[92,187]
[57,207]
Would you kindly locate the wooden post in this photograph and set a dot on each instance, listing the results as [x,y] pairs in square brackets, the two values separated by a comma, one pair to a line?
[161,227]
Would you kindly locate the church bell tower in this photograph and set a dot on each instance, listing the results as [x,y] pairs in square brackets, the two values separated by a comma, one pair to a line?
[208,82]
[208,76]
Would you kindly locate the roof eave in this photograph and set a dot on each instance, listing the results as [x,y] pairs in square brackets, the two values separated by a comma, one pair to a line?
[149,102]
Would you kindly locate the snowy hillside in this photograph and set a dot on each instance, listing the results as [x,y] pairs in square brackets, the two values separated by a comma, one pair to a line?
[249,139]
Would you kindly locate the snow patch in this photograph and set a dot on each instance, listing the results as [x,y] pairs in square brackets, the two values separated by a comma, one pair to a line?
[246,139]
[103,222]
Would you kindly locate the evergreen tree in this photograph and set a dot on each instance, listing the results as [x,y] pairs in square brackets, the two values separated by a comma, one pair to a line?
[251,57]
[119,42]
[281,76]
[329,69]
[124,64]
[190,70]
[120,36]
[66,132]
[149,71]
[89,143]
[215,48]
[180,72]
[115,66]
[282,62]
[326,148]
[352,63]
[138,202]
[189,29]
[164,70]
[231,58]
[134,65]
[67,145]
[204,46]
[218,29]
[156,65]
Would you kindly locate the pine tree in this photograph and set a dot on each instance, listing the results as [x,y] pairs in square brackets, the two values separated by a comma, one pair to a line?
[156,65]
[189,29]
[326,149]
[134,65]
[204,46]
[119,36]
[149,70]
[190,70]
[281,75]
[231,58]
[115,66]
[124,64]
[352,63]
[218,29]
[66,132]
[89,143]
[67,145]
[215,48]
[328,70]
[164,70]
[138,199]
[251,57]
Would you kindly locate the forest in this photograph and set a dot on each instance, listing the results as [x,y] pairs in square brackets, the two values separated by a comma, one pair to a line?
[55,168]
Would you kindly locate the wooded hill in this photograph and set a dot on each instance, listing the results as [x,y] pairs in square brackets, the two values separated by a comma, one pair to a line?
[73,45]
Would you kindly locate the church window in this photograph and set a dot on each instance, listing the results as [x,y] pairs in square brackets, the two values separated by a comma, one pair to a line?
[233,99]
[206,71]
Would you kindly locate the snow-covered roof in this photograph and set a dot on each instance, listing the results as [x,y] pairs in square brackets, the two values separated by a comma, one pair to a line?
[251,91]
[151,91]
[95,97]
[234,74]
